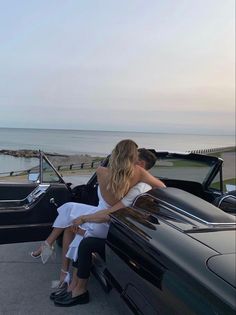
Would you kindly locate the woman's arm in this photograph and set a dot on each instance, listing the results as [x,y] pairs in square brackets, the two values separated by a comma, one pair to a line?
[99,216]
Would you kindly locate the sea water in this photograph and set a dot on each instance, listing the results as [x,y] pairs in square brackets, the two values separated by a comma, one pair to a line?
[95,143]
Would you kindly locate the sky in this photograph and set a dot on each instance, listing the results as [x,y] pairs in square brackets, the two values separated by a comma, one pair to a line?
[129,65]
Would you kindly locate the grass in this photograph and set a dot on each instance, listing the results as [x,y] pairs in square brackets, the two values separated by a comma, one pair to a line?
[220,153]
[184,163]
[231,181]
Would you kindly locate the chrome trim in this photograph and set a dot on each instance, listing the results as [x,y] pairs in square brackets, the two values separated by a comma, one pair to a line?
[225,197]
[189,214]
[26,202]
[2,227]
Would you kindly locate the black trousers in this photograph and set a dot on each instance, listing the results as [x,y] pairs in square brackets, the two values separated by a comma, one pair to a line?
[88,246]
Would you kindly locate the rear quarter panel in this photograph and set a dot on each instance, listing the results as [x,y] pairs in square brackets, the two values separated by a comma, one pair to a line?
[168,270]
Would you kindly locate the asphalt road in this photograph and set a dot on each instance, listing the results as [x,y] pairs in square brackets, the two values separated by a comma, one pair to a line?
[26,285]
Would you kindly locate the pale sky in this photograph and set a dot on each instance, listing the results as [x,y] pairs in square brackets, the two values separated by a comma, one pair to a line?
[129,65]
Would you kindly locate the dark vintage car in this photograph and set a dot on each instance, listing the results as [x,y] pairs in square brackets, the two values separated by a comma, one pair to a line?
[172,252]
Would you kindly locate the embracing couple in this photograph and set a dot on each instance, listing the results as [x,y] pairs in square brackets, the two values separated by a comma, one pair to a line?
[119,183]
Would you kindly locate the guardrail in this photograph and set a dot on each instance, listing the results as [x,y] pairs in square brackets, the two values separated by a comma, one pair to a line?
[63,167]
[79,166]
[15,173]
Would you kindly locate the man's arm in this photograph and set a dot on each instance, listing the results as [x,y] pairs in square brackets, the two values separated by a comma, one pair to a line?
[146,177]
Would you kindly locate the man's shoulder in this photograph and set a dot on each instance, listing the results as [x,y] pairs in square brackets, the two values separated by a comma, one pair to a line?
[141,187]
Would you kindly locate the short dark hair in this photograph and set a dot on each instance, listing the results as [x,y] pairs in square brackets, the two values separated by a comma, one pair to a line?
[148,157]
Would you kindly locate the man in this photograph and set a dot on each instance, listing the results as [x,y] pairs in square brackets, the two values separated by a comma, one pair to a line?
[77,292]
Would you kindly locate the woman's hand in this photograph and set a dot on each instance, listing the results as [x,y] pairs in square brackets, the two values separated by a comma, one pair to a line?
[80,220]
[77,230]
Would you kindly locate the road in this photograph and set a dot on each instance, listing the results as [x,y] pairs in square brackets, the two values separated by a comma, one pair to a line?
[26,285]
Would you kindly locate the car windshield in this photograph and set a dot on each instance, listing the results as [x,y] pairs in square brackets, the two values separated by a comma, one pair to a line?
[182,169]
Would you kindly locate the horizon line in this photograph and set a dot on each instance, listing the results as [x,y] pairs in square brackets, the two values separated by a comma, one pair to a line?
[122,131]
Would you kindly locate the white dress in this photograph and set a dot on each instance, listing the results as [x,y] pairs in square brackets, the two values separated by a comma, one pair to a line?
[74,210]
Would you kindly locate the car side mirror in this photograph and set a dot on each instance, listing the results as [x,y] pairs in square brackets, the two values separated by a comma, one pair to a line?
[33,177]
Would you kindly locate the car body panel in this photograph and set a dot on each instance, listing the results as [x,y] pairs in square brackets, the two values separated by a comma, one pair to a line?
[223,241]
[167,265]
[168,277]
[224,266]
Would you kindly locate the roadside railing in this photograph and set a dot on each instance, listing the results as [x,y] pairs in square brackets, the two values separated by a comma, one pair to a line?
[79,166]
[15,173]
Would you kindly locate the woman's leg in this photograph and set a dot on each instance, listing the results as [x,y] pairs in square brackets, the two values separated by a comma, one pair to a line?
[65,262]
[56,232]
[63,220]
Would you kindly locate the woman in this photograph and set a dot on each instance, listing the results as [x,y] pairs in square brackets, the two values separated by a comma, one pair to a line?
[114,183]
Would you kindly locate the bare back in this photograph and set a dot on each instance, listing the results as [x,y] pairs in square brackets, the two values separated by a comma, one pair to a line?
[103,175]
[140,175]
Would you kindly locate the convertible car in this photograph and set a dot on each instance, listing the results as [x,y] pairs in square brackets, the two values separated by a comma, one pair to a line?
[172,252]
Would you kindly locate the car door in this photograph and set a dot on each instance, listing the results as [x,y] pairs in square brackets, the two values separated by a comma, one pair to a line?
[133,266]
[28,208]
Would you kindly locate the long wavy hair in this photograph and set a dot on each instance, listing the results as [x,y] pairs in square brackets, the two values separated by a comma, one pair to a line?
[121,164]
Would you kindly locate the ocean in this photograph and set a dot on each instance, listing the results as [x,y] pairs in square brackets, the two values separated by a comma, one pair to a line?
[95,143]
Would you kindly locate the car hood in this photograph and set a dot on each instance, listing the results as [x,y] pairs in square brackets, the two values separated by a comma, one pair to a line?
[224,242]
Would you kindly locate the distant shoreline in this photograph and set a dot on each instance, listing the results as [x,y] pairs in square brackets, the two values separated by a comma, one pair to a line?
[55,158]
[27,153]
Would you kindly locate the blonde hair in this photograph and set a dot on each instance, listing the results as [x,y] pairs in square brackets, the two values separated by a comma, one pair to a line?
[122,161]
